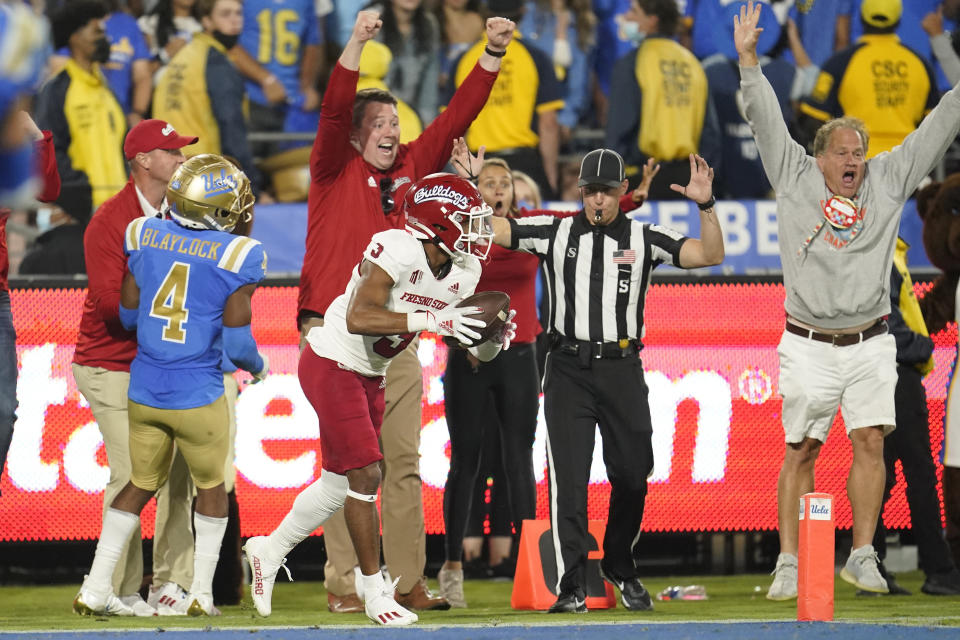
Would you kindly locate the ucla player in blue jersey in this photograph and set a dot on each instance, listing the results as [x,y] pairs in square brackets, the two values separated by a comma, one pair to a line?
[283,36]
[188,294]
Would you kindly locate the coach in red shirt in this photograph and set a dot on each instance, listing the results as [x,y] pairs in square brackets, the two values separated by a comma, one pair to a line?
[50,191]
[101,362]
[359,174]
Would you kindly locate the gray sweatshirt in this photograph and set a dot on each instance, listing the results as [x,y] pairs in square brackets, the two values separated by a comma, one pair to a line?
[838,281]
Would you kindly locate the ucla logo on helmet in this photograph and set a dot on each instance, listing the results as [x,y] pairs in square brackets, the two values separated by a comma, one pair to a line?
[215,185]
[442,193]
[175,184]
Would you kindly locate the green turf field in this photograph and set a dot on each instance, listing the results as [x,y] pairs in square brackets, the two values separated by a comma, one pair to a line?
[738,597]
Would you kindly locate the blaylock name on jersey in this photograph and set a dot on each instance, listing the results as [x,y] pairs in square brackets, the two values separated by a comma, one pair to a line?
[441,192]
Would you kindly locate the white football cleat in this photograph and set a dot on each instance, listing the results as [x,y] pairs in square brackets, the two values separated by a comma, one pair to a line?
[166,599]
[263,574]
[197,604]
[140,608]
[384,610]
[92,603]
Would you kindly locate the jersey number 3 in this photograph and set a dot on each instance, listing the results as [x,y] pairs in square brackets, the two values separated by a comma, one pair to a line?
[169,303]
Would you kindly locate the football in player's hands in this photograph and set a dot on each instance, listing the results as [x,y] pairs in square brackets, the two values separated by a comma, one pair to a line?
[496,312]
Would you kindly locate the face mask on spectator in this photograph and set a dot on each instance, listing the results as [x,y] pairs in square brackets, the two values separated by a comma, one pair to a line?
[43,220]
[631,31]
[228,42]
[102,52]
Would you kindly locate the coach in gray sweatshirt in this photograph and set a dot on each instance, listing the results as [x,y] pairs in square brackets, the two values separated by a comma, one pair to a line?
[838,216]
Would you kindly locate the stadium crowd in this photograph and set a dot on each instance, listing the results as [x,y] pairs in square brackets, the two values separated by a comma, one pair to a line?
[583,74]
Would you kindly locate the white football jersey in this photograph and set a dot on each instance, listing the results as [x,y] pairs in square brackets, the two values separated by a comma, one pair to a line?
[415,288]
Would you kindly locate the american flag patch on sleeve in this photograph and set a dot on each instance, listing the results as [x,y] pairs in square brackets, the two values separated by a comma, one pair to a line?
[627,256]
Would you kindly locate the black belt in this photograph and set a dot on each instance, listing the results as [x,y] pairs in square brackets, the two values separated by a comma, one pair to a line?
[840,339]
[596,350]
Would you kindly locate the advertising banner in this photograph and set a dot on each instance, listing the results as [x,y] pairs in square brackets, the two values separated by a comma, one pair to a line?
[711,367]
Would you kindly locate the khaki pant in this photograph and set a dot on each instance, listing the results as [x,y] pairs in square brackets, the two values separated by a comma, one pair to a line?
[106,392]
[231,391]
[401,492]
[200,434]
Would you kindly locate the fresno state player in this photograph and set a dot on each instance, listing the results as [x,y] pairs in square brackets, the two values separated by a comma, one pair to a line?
[408,281]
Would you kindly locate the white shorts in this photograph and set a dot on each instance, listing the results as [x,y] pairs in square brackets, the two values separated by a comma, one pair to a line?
[816,378]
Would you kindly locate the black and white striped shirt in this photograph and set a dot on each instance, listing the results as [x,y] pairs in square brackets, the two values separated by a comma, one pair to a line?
[596,277]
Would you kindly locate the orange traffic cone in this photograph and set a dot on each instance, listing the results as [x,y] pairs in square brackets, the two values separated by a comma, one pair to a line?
[535,581]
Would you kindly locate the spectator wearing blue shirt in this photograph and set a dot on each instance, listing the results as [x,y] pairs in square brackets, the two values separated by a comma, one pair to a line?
[741,174]
[280,57]
[611,43]
[566,31]
[706,17]
[708,35]
[128,69]
[815,21]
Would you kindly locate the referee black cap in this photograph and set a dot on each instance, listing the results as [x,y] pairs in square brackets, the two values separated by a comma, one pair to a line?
[602,166]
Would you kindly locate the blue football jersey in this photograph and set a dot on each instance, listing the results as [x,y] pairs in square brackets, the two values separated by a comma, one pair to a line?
[185,277]
[275,33]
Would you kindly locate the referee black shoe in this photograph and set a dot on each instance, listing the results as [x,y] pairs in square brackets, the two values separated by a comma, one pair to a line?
[633,594]
[569,602]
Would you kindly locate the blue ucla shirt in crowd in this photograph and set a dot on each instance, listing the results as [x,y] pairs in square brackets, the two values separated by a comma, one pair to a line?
[127,45]
[275,32]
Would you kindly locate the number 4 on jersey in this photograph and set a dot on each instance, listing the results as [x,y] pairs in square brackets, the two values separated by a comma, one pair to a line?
[168,303]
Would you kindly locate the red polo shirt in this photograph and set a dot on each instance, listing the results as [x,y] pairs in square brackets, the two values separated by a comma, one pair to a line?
[344,199]
[102,341]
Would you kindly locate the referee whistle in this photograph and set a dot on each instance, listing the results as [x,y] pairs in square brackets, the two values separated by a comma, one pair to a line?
[597,215]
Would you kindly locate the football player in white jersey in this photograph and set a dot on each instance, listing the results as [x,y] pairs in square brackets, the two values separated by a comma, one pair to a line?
[407,281]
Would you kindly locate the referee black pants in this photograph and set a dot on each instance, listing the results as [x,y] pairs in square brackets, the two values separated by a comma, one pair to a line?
[578,397]
[910,443]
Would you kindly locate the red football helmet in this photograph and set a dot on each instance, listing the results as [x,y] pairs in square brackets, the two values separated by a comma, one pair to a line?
[450,211]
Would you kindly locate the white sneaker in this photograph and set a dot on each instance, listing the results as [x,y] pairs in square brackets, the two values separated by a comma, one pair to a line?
[861,570]
[784,585]
[166,599]
[264,574]
[140,608]
[384,610]
[197,604]
[451,587]
[92,603]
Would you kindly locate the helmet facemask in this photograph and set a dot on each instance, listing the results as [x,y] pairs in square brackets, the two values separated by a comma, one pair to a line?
[476,231]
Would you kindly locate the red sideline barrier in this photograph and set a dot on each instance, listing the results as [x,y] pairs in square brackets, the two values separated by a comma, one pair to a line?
[815,578]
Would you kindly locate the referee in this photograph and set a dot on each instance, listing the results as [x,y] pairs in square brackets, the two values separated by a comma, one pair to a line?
[598,266]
